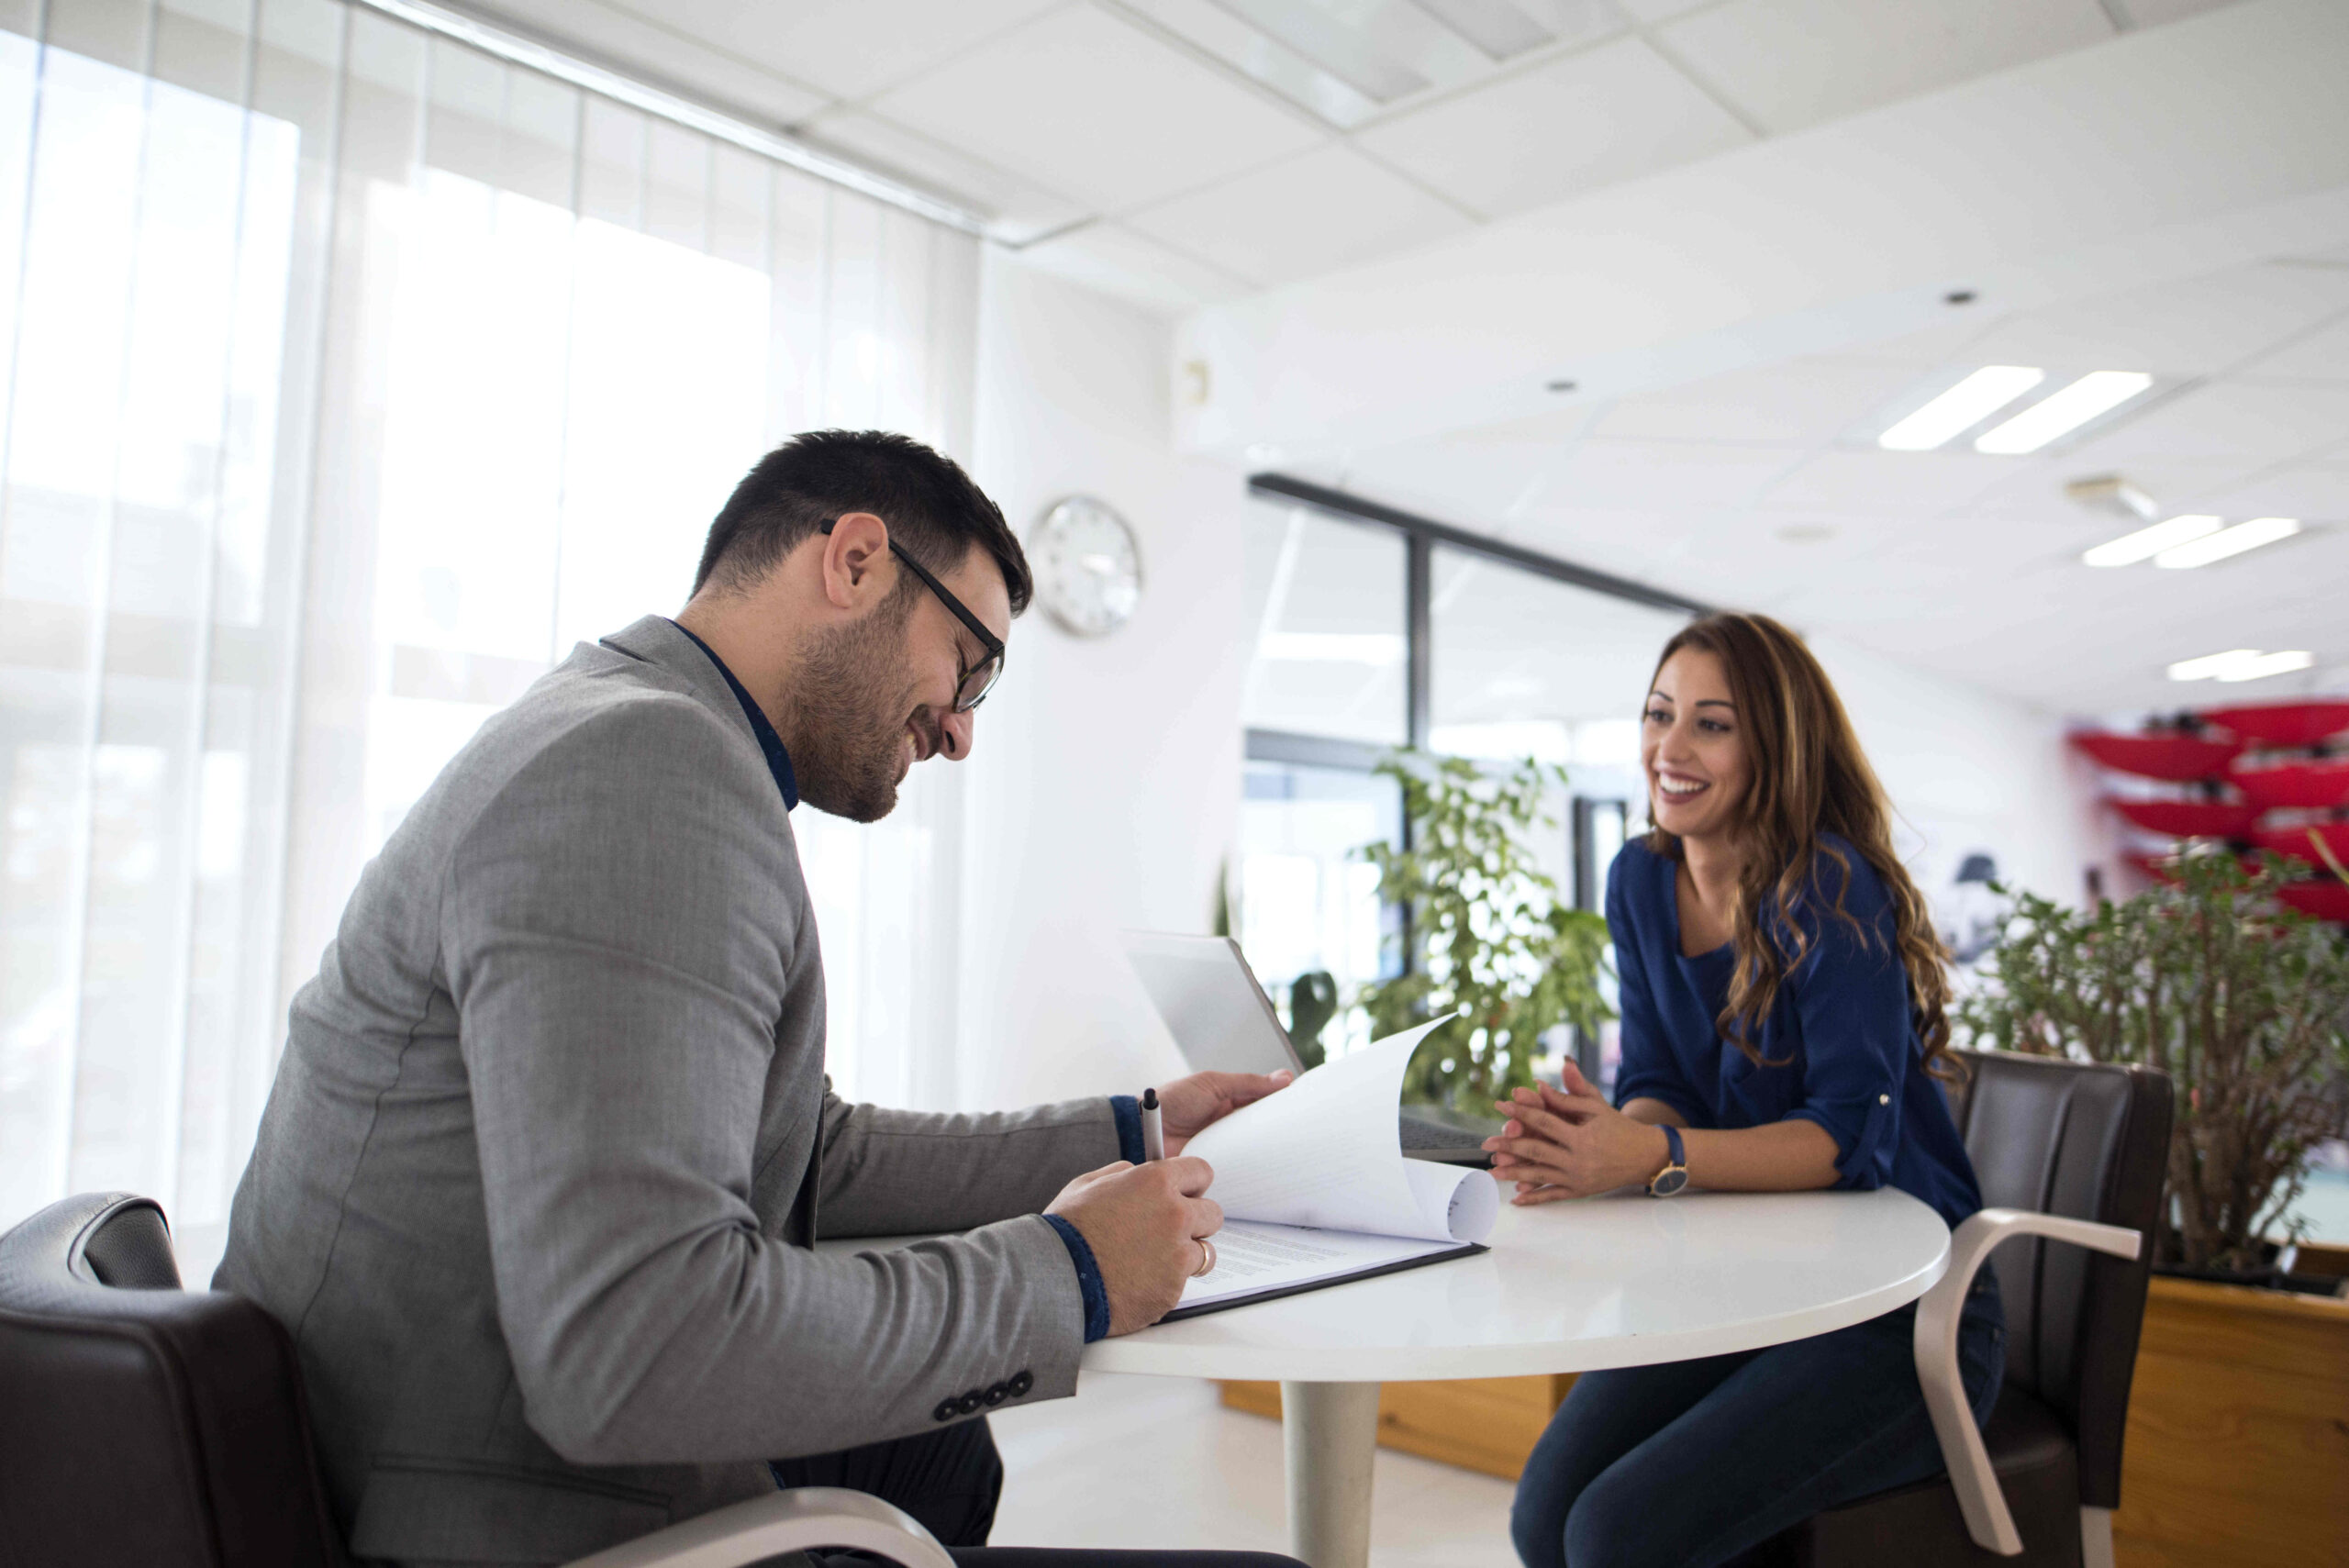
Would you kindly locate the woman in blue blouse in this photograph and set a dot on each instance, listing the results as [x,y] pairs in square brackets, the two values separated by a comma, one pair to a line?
[1784,1028]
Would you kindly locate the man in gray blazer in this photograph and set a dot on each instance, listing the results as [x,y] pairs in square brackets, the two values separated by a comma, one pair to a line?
[551,1139]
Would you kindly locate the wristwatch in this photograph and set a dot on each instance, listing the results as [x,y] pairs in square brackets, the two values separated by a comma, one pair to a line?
[1674,1174]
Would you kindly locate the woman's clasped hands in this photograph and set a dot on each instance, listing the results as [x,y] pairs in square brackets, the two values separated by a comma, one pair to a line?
[1570,1143]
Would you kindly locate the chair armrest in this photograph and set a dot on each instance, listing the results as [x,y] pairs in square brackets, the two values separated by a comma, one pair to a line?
[800,1519]
[1987,1519]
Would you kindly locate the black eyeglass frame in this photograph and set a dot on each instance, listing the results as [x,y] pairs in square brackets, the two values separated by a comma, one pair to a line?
[987,640]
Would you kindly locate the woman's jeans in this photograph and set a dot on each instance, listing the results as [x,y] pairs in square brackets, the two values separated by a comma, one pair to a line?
[1688,1464]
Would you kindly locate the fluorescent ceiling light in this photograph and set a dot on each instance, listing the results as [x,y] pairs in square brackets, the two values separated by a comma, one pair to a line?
[2062,412]
[2147,543]
[2269,664]
[2229,542]
[1968,404]
[1496,26]
[1380,648]
[2241,664]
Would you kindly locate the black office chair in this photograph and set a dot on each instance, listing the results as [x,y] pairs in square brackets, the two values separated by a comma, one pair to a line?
[151,1427]
[2065,1151]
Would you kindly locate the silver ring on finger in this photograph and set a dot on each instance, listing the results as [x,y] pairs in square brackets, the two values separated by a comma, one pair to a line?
[1206,1259]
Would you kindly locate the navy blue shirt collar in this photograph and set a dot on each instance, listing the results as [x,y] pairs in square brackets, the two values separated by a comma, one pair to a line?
[778,760]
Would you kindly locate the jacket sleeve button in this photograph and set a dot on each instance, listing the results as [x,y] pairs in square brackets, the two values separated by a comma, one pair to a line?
[971,1401]
[996,1392]
[1021,1384]
[946,1412]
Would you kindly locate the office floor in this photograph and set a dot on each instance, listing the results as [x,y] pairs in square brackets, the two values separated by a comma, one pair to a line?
[1157,1462]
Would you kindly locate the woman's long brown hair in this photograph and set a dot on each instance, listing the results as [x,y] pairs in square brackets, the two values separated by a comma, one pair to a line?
[1805,776]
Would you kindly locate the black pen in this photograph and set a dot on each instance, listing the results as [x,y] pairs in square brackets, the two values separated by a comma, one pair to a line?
[1154,1139]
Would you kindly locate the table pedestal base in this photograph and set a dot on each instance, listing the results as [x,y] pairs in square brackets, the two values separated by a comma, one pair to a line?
[1331,1433]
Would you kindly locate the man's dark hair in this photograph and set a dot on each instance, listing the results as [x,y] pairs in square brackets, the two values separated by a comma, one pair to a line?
[934,512]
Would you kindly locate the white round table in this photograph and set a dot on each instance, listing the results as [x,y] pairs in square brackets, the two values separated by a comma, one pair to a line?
[1623,1280]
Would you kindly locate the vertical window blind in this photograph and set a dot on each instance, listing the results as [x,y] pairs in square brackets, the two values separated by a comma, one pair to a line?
[352,376]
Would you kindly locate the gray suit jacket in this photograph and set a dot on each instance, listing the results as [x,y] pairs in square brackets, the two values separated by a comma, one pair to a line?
[552,1136]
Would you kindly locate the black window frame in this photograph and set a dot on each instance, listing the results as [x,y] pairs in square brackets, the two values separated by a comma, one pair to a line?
[1421,535]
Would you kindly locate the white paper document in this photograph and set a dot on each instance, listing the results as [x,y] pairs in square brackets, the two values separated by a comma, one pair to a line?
[1315,1187]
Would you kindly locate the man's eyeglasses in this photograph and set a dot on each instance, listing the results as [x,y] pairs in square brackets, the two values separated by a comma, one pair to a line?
[972,686]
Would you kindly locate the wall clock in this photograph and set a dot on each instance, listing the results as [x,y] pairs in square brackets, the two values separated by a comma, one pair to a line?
[1088,566]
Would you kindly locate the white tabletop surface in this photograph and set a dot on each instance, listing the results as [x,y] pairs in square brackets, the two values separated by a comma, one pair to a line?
[1624,1280]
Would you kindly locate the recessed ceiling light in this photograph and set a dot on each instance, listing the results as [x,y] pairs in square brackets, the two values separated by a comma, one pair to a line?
[2147,543]
[2228,541]
[2062,412]
[1968,404]
[2241,664]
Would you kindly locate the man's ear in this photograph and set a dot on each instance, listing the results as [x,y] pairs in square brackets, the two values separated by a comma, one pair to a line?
[854,554]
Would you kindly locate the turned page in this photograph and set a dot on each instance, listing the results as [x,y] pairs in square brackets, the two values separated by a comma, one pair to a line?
[1315,1187]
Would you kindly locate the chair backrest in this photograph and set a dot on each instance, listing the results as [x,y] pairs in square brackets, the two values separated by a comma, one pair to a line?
[2088,1142]
[145,1424]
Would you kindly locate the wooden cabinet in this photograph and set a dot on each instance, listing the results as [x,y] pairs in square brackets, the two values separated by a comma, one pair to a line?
[2238,1445]
[1487,1423]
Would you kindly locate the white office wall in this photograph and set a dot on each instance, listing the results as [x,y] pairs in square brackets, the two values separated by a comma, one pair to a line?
[1105,786]
[1968,771]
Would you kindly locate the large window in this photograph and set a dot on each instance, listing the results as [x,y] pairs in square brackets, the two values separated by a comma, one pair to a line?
[350,377]
[1376,630]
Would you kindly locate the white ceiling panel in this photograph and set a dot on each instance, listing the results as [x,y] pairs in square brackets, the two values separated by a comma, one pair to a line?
[2235,422]
[1649,11]
[2035,491]
[1080,101]
[2312,495]
[2154,13]
[656,52]
[1808,402]
[1017,211]
[1791,63]
[2192,326]
[1111,258]
[1662,476]
[1310,214]
[846,47]
[1914,484]
[2321,355]
[1585,120]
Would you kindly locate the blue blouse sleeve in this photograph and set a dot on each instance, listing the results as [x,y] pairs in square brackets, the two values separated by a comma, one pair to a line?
[1850,998]
[1648,1069]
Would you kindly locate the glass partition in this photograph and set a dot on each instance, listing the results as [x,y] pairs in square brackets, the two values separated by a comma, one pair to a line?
[1325,607]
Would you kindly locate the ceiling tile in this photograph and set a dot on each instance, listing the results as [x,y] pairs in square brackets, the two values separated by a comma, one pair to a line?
[2313,495]
[1607,114]
[2192,326]
[847,47]
[2154,13]
[1307,215]
[2231,421]
[650,51]
[1115,260]
[1806,401]
[1083,104]
[2321,355]
[1661,476]
[1649,11]
[1791,63]
[1017,210]
[1914,484]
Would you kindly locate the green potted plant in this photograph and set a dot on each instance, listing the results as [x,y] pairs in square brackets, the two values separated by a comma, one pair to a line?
[2240,1001]
[1490,938]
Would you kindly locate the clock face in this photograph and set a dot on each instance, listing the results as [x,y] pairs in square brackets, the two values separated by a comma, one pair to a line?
[1088,568]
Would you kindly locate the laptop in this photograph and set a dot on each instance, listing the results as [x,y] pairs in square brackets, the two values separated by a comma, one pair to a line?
[1223,1022]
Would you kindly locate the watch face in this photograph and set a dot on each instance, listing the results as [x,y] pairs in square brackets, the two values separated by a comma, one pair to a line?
[1088,568]
[1668,1182]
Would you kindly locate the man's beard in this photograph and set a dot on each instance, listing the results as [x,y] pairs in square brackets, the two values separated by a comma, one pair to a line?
[849,713]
